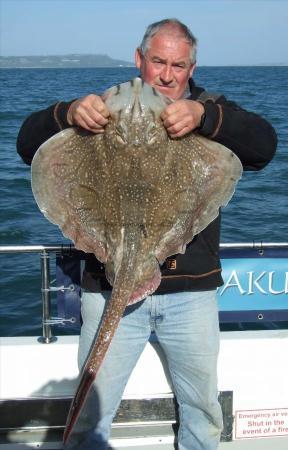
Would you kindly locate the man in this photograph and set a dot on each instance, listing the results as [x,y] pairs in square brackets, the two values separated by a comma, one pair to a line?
[183,310]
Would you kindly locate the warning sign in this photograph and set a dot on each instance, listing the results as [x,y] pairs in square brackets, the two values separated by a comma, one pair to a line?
[261,423]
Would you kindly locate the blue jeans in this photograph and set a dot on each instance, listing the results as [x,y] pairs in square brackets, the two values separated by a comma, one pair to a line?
[186,325]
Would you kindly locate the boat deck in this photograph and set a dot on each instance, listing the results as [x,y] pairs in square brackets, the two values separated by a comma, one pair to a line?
[160,439]
[147,420]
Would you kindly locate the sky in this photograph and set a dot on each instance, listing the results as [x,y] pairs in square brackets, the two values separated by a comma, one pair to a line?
[229,32]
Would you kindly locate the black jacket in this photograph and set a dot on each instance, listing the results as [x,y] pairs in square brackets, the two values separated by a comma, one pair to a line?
[248,135]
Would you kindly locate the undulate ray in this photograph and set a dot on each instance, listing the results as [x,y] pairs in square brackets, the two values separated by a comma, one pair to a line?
[133,197]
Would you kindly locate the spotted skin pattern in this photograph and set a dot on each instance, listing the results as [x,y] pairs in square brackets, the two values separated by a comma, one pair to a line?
[132,196]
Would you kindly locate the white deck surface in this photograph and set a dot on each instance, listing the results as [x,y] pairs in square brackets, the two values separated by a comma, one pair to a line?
[252,364]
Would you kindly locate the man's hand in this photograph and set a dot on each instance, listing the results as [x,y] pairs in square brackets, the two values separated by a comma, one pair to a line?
[181,117]
[89,112]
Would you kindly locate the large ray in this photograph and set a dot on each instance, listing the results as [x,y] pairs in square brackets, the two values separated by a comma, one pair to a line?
[133,197]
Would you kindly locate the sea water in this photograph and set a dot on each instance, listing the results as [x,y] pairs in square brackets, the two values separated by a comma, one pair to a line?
[257,212]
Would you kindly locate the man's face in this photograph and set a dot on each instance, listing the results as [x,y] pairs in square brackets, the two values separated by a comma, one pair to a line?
[166,65]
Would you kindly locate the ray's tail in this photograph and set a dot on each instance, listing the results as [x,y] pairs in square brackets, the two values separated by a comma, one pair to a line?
[121,293]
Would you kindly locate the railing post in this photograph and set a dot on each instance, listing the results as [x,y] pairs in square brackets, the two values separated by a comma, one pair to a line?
[46,337]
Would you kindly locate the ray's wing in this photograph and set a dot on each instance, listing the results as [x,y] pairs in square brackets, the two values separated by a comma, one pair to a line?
[68,171]
[206,174]
[222,169]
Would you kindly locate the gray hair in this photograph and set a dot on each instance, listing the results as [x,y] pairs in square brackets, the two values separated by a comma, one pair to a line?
[170,24]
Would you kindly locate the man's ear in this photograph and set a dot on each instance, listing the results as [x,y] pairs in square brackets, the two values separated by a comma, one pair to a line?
[138,58]
[192,68]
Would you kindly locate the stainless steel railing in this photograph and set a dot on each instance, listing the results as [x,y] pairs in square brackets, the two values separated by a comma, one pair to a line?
[45,250]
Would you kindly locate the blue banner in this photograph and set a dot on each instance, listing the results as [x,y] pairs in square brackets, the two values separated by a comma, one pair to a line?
[258,284]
